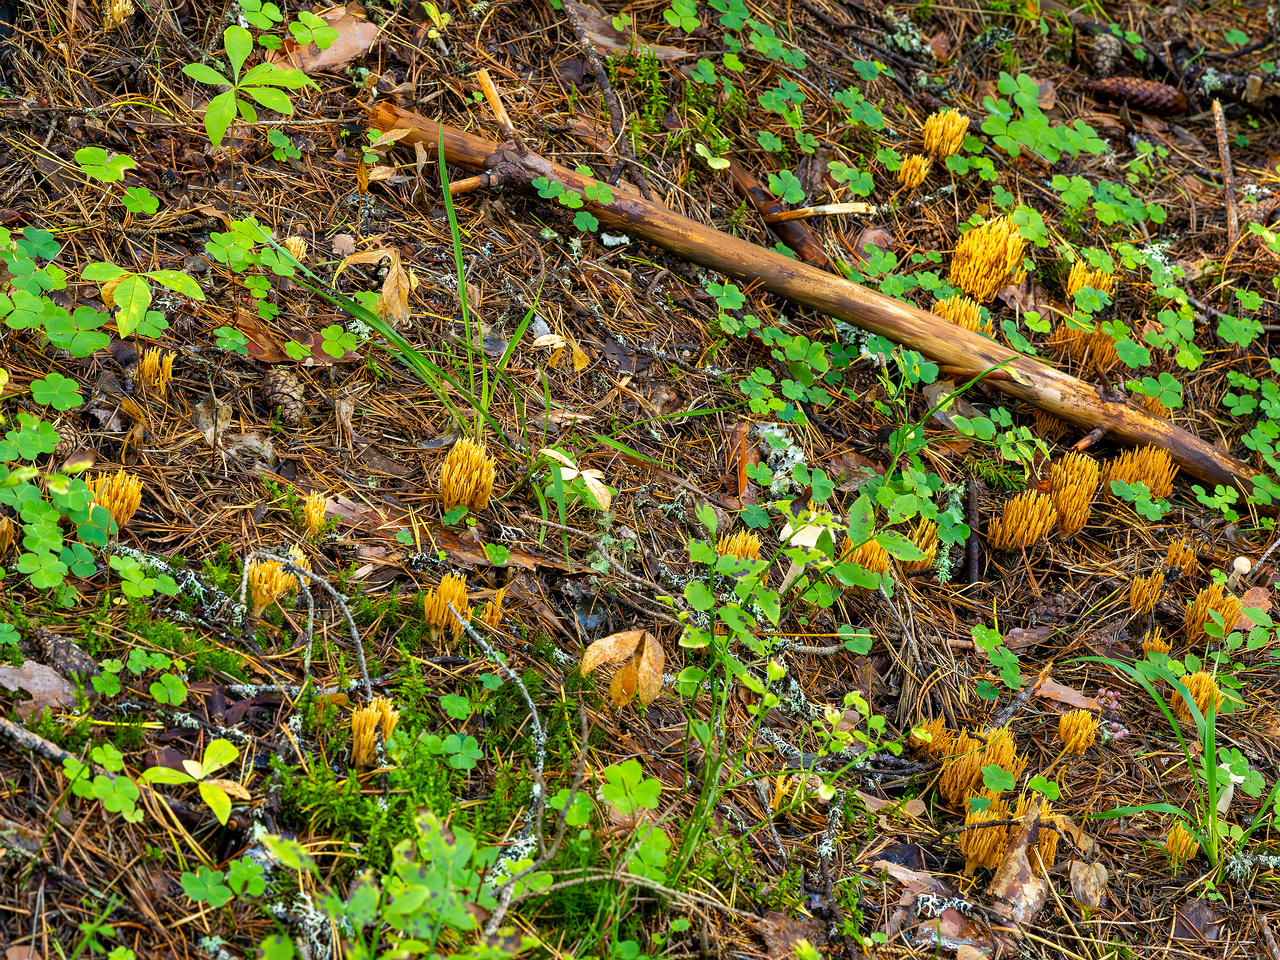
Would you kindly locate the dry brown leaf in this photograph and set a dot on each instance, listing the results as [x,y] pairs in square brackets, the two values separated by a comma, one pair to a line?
[46,687]
[594,480]
[232,788]
[1020,891]
[580,357]
[393,301]
[1089,883]
[649,670]
[602,32]
[781,934]
[1259,597]
[623,686]
[916,881]
[22,953]
[1196,920]
[611,649]
[355,36]
[211,419]
[1052,690]
[1083,841]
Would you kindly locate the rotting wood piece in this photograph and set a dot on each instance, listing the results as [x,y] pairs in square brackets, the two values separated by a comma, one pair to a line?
[1029,379]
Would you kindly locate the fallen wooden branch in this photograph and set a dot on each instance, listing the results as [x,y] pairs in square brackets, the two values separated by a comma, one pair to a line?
[1027,378]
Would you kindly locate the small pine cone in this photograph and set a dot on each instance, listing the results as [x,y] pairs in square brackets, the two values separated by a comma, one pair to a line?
[1145,95]
[282,388]
[1107,50]
[1264,212]
[69,442]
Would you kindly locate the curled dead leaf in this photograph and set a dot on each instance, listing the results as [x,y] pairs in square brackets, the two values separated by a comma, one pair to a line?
[611,649]
[623,686]
[649,670]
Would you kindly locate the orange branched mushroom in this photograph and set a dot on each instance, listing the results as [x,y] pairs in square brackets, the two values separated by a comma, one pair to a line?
[987,258]
[466,478]
[1073,481]
[1180,845]
[963,312]
[1077,731]
[1154,642]
[1144,592]
[924,536]
[985,846]
[1204,691]
[1210,600]
[933,739]
[1183,556]
[1082,275]
[944,133]
[120,493]
[913,170]
[313,509]
[743,545]
[1026,519]
[962,769]
[1149,465]
[491,613]
[435,606]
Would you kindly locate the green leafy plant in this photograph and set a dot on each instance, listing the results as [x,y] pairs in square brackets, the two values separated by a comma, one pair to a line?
[261,83]
[217,755]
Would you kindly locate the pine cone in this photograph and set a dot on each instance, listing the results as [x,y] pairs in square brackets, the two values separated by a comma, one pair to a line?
[1145,95]
[282,388]
[66,657]
[1107,50]
[68,443]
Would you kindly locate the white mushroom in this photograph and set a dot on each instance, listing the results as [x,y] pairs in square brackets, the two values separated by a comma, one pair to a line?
[1239,568]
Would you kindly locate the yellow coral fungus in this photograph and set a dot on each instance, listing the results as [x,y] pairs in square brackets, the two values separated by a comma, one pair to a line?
[268,583]
[1180,845]
[987,258]
[466,478]
[1144,592]
[933,739]
[963,312]
[435,606]
[1154,405]
[1204,691]
[944,133]
[924,536]
[297,248]
[1025,520]
[1082,275]
[984,846]
[155,370]
[743,545]
[1210,600]
[1154,642]
[120,493]
[1073,481]
[962,768]
[380,713]
[491,612]
[913,170]
[313,510]
[1048,426]
[1148,465]
[1077,731]
[1183,556]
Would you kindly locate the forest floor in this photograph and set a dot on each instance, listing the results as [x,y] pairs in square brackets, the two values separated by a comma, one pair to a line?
[782,639]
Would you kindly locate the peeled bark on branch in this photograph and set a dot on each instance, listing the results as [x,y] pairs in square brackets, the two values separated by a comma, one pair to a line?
[967,353]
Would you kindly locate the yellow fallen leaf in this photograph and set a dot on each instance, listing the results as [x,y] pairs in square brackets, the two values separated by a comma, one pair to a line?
[649,670]
[611,649]
[580,357]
